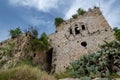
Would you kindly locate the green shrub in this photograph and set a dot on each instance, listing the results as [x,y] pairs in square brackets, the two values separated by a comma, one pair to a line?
[80,11]
[15,32]
[74,16]
[41,43]
[58,21]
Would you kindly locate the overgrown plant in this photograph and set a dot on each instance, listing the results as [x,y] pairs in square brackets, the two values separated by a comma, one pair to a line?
[15,32]
[79,12]
[40,43]
[58,21]
[100,64]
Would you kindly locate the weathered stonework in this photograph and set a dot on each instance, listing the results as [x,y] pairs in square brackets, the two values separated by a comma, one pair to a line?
[80,36]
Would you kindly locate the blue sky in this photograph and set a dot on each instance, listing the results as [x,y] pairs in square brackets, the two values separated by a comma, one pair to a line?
[41,13]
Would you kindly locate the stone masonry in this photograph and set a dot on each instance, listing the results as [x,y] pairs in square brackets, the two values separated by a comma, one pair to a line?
[76,37]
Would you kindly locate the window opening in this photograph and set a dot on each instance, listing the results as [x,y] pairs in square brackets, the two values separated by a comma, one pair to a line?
[83,27]
[71,31]
[77,30]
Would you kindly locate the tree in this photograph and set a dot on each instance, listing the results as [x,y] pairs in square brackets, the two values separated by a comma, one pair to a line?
[58,21]
[80,11]
[15,32]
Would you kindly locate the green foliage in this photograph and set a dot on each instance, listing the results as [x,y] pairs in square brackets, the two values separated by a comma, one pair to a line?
[44,40]
[41,43]
[100,64]
[15,32]
[75,16]
[58,21]
[118,73]
[80,11]
[117,33]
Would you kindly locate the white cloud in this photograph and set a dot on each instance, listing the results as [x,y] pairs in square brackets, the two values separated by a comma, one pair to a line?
[38,21]
[42,5]
[110,11]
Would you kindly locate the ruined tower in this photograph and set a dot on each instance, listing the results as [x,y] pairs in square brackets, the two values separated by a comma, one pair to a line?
[80,36]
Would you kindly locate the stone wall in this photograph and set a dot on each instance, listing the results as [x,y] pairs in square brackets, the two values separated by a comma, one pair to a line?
[76,37]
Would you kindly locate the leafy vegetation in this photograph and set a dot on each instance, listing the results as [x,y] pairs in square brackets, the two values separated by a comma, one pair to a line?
[75,16]
[15,32]
[40,43]
[79,12]
[58,21]
[117,33]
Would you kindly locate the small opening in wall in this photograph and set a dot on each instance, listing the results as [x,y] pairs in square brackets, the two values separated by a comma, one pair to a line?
[50,40]
[77,30]
[76,25]
[77,41]
[83,27]
[71,31]
[84,43]
[106,30]
[56,31]
[34,55]
[0,43]
[49,59]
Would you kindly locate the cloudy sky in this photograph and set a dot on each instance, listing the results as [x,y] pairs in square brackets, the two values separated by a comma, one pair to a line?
[41,13]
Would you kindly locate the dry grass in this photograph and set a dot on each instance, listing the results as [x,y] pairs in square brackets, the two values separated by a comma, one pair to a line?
[25,73]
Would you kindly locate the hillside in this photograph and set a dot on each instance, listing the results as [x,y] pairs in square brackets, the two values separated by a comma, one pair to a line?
[13,50]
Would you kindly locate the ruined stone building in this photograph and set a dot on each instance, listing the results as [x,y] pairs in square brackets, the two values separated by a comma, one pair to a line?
[80,36]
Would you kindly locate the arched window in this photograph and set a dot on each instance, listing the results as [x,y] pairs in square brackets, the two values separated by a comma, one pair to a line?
[77,30]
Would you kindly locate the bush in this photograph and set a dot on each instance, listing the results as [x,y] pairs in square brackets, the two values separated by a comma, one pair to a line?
[100,64]
[58,21]
[41,43]
[74,16]
[15,32]
[80,11]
